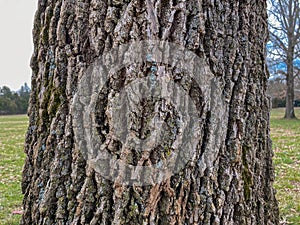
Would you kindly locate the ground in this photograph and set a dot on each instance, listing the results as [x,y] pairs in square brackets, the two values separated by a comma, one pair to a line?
[12,136]
[286,145]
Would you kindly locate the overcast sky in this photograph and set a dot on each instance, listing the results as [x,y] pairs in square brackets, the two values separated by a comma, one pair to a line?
[16,22]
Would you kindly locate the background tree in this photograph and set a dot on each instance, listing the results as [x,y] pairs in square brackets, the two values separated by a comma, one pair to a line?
[23,98]
[284,47]
[14,102]
[59,185]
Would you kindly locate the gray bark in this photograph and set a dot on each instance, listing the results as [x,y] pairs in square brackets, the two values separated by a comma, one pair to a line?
[230,36]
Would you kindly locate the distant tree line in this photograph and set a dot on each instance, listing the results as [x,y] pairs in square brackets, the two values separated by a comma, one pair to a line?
[277,92]
[281,103]
[14,102]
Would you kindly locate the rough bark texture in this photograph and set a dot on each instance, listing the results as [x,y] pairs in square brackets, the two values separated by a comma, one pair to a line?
[230,36]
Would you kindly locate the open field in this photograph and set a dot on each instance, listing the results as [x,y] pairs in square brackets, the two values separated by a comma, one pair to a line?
[286,145]
[12,135]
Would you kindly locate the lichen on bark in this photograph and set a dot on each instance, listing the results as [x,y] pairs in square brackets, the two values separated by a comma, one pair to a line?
[60,187]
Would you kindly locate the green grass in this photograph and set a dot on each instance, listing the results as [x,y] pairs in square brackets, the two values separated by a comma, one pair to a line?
[12,135]
[286,144]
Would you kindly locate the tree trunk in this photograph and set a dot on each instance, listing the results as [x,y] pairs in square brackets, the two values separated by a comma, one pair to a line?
[228,181]
[290,96]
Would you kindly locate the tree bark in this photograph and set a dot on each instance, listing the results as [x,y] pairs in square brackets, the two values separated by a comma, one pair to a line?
[229,36]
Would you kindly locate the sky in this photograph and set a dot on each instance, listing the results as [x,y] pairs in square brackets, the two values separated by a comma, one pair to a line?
[16,47]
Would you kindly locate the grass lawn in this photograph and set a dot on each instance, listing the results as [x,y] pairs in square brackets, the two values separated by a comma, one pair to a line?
[12,136]
[286,145]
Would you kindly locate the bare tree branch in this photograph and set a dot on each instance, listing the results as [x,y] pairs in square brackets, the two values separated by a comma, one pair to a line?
[284,48]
